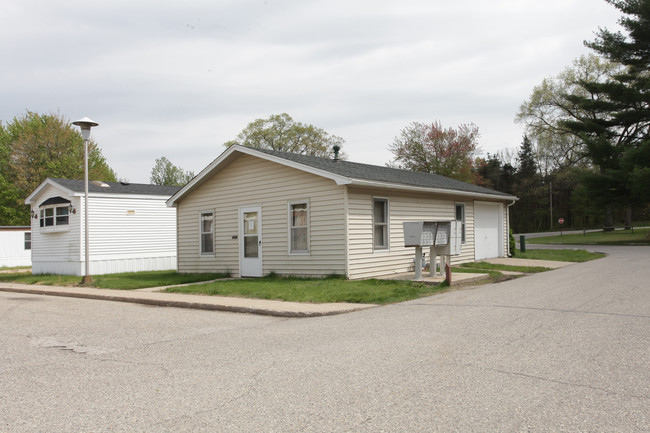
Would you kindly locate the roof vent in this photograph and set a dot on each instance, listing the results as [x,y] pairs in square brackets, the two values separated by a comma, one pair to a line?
[336,149]
[123,182]
[100,183]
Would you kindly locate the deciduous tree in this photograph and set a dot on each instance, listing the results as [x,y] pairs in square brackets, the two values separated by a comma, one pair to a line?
[38,146]
[281,132]
[433,149]
[548,109]
[12,209]
[166,173]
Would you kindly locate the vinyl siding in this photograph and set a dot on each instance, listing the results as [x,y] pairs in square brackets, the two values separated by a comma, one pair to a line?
[467,250]
[250,181]
[130,227]
[12,248]
[505,230]
[365,261]
[56,251]
[130,235]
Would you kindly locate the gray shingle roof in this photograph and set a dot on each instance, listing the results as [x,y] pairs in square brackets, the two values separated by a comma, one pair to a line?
[118,187]
[376,173]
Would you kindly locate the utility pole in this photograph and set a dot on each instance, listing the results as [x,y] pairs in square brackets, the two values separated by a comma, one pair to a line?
[550,187]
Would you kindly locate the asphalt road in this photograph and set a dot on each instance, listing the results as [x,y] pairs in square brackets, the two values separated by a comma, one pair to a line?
[567,350]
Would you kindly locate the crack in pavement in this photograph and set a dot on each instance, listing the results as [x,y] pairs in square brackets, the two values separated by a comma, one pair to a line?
[559,382]
[514,307]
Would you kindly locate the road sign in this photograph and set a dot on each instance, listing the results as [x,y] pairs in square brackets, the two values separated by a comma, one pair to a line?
[561,220]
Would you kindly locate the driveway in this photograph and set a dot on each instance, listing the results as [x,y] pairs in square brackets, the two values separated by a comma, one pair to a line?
[565,350]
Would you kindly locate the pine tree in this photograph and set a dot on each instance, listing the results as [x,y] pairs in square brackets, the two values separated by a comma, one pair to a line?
[530,212]
[617,139]
[630,92]
[526,156]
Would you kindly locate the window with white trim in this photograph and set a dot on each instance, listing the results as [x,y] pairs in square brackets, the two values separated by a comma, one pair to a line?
[54,216]
[380,223]
[206,229]
[460,217]
[28,240]
[299,227]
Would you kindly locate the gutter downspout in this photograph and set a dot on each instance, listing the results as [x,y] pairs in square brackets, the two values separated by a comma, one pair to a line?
[346,212]
[508,224]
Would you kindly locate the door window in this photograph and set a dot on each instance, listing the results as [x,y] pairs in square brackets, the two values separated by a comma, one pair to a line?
[251,236]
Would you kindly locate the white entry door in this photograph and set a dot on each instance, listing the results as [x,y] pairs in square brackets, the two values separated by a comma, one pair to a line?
[250,241]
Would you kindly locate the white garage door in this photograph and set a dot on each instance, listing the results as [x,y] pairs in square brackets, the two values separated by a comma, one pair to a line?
[487,230]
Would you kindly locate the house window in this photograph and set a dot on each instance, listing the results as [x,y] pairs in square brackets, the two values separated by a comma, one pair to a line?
[299,227]
[206,228]
[28,240]
[62,216]
[460,217]
[54,216]
[380,223]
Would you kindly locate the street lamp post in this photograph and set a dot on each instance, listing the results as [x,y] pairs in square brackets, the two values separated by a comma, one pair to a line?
[85,124]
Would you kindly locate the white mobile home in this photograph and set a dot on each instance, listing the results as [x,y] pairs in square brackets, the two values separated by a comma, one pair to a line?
[130,227]
[255,211]
[15,246]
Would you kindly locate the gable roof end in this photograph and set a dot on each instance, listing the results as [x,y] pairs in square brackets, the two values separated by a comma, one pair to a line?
[234,152]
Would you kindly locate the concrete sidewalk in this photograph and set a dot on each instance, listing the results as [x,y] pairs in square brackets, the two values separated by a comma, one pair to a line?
[157,295]
[180,300]
[527,262]
[456,277]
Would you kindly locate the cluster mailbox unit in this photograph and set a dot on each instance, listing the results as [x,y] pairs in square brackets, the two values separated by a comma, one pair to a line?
[442,237]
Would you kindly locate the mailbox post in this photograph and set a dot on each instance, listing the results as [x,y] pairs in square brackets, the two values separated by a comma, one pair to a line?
[442,237]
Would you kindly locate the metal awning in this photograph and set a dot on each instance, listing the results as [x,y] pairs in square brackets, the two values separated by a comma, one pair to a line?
[54,200]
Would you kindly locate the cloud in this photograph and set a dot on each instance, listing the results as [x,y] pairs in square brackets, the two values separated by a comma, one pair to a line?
[165,78]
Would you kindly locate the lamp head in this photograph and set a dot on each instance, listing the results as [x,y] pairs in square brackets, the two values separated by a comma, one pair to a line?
[85,124]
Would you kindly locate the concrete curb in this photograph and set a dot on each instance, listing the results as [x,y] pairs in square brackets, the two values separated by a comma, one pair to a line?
[234,305]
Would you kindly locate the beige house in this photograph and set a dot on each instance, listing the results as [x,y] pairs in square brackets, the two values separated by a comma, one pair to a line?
[255,211]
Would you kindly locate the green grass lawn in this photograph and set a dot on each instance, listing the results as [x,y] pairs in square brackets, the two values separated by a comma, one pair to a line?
[617,237]
[124,281]
[13,268]
[320,290]
[576,256]
[331,289]
[48,280]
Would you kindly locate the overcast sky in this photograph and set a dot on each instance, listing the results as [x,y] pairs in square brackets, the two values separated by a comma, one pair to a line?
[180,78]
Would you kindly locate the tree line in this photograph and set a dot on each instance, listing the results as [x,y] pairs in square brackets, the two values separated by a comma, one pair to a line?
[591,126]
